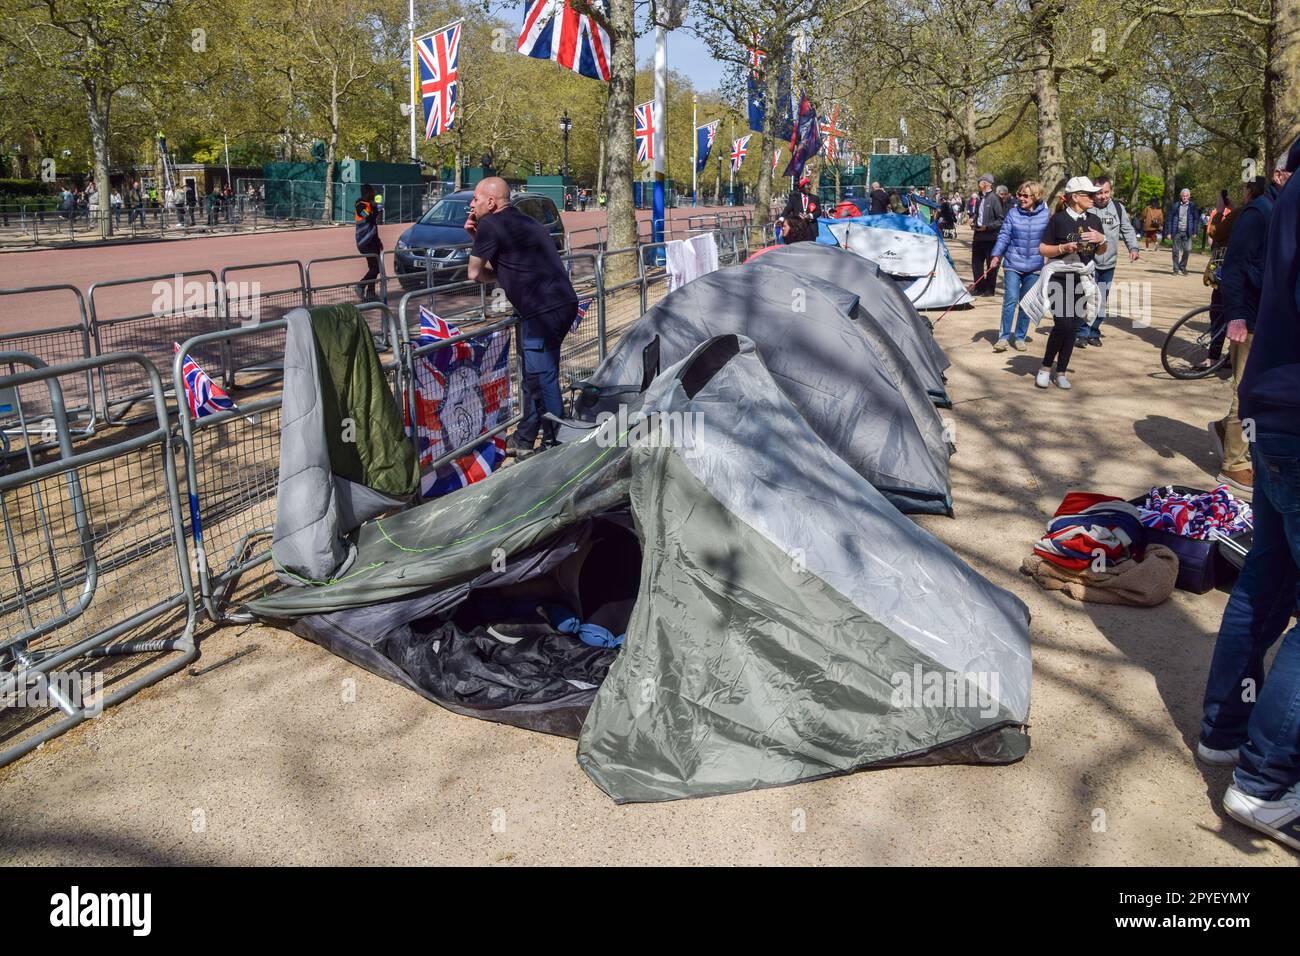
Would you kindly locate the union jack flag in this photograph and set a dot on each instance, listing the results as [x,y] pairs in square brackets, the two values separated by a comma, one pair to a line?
[645,132]
[438,53]
[739,148]
[203,396]
[756,58]
[432,329]
[583,306]
[461,391]
[553,30]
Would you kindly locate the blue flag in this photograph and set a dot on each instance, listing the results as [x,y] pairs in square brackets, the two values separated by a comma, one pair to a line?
[806,141]
[704,137]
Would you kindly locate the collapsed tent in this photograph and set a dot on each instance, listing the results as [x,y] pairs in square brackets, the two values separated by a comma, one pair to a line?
[905,248]
[344,457]
[783,622]
[818,354]
[884,312]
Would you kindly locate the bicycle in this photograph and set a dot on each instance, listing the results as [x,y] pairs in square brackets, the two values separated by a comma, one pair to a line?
[1187,346]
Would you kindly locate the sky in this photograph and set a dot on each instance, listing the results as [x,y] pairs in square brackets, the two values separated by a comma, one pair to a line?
[686,54]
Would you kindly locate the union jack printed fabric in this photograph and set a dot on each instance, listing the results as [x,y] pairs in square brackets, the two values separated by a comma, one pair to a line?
[461,391]
[553,30]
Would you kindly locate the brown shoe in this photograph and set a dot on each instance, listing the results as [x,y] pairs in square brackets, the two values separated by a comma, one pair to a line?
[1241,480]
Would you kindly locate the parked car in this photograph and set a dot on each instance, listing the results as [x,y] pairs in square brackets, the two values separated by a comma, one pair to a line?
[439,236]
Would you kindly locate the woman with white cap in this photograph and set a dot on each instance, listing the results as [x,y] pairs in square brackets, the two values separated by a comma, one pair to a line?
[1073,237]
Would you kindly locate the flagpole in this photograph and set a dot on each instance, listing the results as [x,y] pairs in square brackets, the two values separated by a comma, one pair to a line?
[661,83]
[695,147]
[410,50]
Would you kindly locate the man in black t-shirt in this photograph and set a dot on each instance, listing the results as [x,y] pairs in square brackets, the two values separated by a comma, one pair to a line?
[1073,236]
[516,252]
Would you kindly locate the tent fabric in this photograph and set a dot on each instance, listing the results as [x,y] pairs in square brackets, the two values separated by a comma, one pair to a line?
[905,248]
[883,310]
[817,354]
[784,610]
[773,638]
[343,456]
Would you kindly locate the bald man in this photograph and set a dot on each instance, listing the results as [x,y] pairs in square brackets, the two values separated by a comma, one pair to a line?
[516,252]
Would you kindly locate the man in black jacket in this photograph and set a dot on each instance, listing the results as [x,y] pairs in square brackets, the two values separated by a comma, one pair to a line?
[879,200]
[988,223]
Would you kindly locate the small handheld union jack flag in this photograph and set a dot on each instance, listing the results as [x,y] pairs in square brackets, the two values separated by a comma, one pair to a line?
[645,132]
[203,396]
[438,53]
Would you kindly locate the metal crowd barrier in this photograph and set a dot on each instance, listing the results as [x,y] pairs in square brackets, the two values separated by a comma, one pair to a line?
[232,464]
[52,345]
[183,307]
[94,550]
[353,290]
[252,352]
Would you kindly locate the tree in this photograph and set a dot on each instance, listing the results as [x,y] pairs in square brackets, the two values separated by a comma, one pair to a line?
[107,47]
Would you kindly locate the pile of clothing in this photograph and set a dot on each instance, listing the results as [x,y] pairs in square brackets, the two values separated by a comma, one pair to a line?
[1095,549]
[1200,516]
[1087,527]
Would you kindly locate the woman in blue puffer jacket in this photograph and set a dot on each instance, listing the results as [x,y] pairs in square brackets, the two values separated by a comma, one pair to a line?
[1018,245]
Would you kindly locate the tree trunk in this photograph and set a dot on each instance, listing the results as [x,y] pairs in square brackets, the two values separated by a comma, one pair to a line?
[1047,101]
[1281,91]
[771,79]
[600,167]
[621,229]
[97,110]
[327,214]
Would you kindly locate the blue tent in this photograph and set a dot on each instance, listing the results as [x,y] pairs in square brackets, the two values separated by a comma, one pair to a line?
[886,220]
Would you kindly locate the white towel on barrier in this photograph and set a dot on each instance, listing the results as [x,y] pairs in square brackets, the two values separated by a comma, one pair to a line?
[689,259]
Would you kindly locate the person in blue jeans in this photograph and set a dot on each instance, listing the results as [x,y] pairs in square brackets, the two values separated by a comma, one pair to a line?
[1017,251]
[1252,718]
[516,252]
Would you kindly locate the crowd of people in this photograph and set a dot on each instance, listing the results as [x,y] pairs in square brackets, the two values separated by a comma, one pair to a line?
[184,201]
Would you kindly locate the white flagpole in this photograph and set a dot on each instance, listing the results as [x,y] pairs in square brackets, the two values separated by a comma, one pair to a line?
[695,147]
[410,50]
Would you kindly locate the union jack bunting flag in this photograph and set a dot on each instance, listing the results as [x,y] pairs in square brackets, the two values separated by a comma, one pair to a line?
[437,54]
[739,148]
[461,391]
[645,132]
[203,396]
[553,30]
[776,158]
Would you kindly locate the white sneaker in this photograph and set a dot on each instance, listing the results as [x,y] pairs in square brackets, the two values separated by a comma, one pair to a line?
[1062,381]
[1044,378]
[1279,818]
[1000,345]
[1217,758]
[1018,345]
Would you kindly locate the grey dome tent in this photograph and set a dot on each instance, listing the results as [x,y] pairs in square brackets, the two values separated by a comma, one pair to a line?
[784,621]
[819,356]
[881,304]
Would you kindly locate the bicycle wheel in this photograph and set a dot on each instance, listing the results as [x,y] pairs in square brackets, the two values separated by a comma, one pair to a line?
[1186,352]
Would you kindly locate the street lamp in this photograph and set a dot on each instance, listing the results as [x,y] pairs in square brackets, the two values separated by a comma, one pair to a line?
[566,124]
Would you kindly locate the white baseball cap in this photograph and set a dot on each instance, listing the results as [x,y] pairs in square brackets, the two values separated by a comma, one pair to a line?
[1081,184]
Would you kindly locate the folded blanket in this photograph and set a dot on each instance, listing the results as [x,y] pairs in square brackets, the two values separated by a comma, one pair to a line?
[1144,583]
[1087,527]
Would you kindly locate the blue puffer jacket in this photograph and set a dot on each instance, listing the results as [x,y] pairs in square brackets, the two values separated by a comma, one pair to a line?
[1017,244]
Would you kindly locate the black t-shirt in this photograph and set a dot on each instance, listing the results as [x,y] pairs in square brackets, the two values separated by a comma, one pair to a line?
[527,264]
[1062,228]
